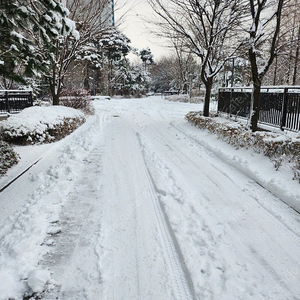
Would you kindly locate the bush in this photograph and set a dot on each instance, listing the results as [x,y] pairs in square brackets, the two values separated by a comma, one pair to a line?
[184,98]
[78,99]
[51,133]
[277,147]
[41,125]
[8,157]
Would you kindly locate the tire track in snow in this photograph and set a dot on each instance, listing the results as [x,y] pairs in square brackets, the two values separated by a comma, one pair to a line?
[256,196]
[141,250]
[163,138]
[167,230]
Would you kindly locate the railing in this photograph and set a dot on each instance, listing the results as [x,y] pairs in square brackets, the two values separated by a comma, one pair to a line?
[279,106]
[13,101]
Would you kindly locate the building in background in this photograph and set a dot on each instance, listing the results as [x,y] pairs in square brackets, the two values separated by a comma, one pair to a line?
[108,16]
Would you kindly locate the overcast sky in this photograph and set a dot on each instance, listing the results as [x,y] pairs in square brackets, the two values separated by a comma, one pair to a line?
[138,31]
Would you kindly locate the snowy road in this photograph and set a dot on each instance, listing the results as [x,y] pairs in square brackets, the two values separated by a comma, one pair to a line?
[139,208]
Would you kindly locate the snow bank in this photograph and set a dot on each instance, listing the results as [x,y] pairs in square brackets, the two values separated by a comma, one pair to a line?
[41,124]
[22,244]
[37,280]
[27,234]
[282,150]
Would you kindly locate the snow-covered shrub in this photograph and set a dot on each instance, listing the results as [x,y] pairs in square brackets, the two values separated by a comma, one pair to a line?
[184,98]
[297,170]
[279,148]
[41,125]
[78,99]
[8,157]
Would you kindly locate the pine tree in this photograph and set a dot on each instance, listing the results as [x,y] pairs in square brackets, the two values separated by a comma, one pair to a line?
[24,27]
[146,57]
[115,46]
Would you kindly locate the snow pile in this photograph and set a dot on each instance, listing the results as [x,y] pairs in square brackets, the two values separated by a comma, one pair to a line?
[41,124]
[8,157]
[38,279]
[280,149]
[28,234]
[22,244]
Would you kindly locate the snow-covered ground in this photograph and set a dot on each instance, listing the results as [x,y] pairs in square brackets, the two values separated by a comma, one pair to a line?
[138,204]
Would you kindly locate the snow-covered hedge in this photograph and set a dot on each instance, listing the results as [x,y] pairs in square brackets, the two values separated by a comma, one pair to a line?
[184,98]
[41,125]
[278,147]
[78,99]
[8,157]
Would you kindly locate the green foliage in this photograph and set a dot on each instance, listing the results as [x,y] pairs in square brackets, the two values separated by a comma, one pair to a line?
[115,44]
[146,56]
[25,27]
[130,79]
[8,157]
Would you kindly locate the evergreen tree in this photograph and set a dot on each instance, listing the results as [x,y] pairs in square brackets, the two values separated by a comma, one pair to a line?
[146,57]
[114,46]
[24,27]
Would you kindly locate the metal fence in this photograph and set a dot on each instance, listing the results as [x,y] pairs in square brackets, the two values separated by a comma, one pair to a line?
[15,101]
[279,106]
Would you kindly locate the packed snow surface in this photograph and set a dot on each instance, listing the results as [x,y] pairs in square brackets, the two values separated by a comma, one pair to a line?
[137,204]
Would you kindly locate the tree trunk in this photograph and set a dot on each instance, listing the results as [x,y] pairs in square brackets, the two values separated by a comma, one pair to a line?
[55,93]
[255,105]
[275,70]
[55,99]
[208,87]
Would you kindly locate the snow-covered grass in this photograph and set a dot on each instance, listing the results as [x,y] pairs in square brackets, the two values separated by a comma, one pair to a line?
[41,125]
[282,150]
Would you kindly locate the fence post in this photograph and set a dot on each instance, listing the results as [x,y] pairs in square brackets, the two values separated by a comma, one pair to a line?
[230,100]
[7,102]
[30,98]
[284,109]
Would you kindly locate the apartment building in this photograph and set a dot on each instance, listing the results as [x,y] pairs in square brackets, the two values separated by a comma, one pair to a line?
[107,16]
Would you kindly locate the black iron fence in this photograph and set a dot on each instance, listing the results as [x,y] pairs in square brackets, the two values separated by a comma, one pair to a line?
[15,101]
[279,106]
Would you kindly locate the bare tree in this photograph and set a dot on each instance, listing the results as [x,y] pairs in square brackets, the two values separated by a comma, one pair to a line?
[284,70]
[185,66]
[207,28]
[296,56]
[264,33]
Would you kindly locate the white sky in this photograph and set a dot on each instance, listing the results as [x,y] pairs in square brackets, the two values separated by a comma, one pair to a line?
[137,30]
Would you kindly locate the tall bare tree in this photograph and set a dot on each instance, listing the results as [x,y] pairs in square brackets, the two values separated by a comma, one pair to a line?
[207,28]
[284,70]
[263,37]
